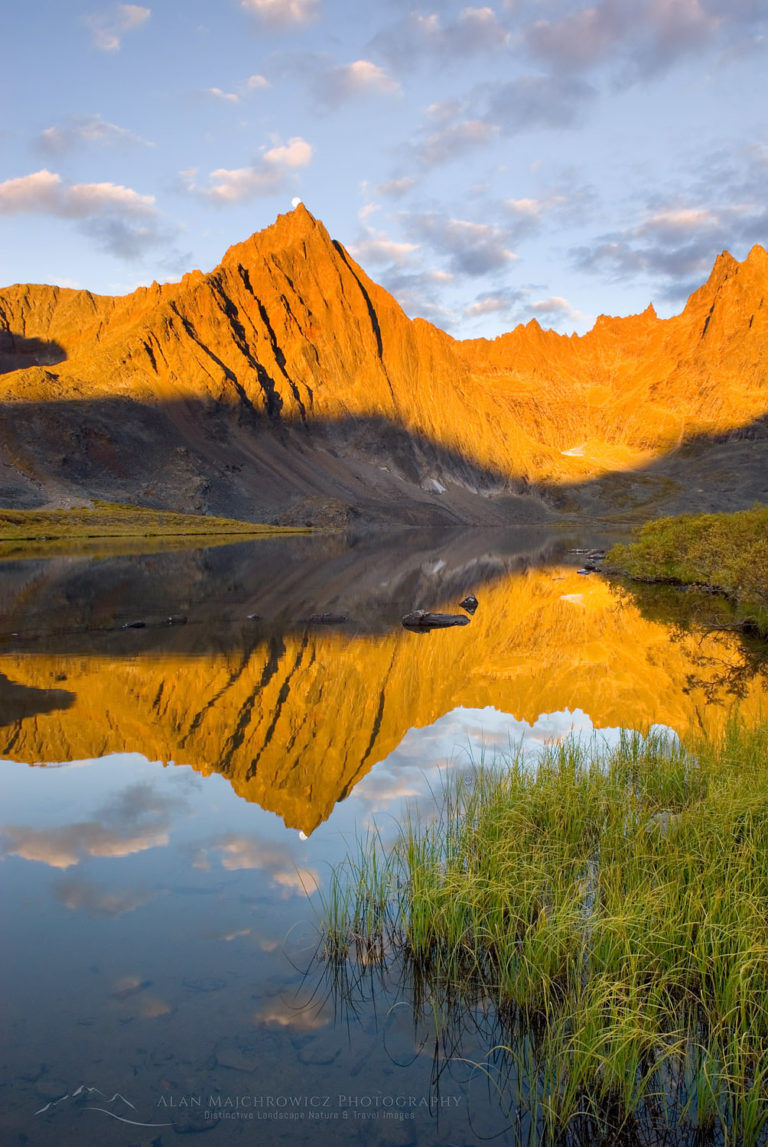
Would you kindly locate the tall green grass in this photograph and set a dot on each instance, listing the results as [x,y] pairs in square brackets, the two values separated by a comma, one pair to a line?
[612,912]
[726,552]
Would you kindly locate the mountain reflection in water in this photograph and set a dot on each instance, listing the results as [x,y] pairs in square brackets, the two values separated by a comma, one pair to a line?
[295,713]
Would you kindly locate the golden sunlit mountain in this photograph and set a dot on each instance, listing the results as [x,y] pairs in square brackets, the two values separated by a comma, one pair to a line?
[286,382]
[297,719]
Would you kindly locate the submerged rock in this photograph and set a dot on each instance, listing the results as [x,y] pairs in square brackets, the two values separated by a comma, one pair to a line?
[325,619]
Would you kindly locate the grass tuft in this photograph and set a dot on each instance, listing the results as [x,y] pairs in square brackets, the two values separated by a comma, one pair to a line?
[611,909]
[727,553]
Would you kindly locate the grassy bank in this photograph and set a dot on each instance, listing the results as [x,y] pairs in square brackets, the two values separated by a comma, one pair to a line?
[111,520]
[724,552]
[612,914]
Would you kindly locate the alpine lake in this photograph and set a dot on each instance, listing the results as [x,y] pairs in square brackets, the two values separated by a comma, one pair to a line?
[193,739]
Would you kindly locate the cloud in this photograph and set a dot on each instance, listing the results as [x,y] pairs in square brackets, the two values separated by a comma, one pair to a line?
[296,153]
[418,292]
[555,307]
[218,94]
[397,187]
[108,27]
[526,208]
[581,39]
[379,248]
[45,192]
[491,303]
[340,84]
[417,37]
[533,102]
[310,1016]
[641,38]
[237,185]
[121,220]
[83,896]
[453,128]
[454,141]
[86,130]
[674,241]
[239,852]
[566,202]
[283,13]
[63,847]
[264,177]
[515,304]
[471,248]
[257,83]
[136,820]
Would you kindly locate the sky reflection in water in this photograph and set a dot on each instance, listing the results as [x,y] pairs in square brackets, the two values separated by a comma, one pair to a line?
[160,925]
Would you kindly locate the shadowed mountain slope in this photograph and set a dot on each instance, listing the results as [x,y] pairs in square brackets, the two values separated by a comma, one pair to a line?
[286,382]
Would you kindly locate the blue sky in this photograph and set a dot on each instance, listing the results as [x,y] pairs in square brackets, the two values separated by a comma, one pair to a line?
[488,164]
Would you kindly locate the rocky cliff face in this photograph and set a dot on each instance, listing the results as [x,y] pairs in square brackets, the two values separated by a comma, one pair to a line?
[287,378]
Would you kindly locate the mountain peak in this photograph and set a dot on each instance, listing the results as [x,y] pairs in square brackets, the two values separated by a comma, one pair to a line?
[293,227]
[286,374]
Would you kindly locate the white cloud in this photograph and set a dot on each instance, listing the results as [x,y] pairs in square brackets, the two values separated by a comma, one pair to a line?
[46,193]
[397,187]
[92,129]
[243,852]
[63,846]
[349,81]
[109,27]
[267,175]
[489,305]
[555,309]
[362,75]
[119,219]
[283,13]
[257,83]
[527,208]
[681,220]
[218,94]
[554,305]
[568,202]
[296,153]
[378,248]
[236,185]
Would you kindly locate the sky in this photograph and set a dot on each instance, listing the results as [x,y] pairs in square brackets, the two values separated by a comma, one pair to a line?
[487,164]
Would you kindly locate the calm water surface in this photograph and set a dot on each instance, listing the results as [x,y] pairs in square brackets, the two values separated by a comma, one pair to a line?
[191,783]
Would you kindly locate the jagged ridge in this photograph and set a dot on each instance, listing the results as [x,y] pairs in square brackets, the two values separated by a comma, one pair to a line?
[289,335]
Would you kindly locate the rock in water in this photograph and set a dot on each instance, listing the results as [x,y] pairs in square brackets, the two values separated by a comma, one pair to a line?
[423,619]
[470,603]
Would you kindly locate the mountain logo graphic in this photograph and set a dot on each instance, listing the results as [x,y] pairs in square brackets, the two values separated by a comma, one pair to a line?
[96,1094]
